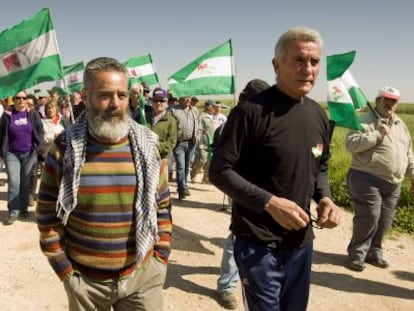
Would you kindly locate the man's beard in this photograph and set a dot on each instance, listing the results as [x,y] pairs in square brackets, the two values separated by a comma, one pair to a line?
[110,125]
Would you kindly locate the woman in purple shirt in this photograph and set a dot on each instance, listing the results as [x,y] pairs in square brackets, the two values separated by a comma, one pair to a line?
[21,138]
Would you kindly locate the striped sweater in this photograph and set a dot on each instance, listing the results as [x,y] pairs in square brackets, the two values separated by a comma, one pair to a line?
[99,238]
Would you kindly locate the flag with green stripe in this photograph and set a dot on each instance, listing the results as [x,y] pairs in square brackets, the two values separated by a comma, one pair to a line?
[344,95]
[141,69]
[209,74]
[72,80]
[29,54]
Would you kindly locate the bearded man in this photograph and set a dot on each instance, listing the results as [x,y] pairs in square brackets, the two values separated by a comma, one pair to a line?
[104,207]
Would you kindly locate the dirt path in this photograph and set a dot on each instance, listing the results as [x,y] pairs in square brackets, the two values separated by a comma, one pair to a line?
[28,283]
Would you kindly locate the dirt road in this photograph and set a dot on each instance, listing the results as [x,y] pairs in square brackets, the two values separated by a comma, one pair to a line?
[28,283]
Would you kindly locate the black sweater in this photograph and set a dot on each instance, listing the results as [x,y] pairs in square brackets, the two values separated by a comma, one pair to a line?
[271,145]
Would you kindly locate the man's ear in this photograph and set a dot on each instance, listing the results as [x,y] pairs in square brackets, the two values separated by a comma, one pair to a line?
[275,65]
[85,98]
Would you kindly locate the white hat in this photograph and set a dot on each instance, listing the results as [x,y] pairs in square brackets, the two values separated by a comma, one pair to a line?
[389,92]
[42,93]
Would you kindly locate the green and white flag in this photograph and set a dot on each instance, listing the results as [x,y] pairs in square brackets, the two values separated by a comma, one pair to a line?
[141,69]
[210,74]
[72,80]
[344,94]
[29,54]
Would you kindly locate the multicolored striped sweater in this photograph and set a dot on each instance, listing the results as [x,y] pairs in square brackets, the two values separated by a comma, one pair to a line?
[99,238]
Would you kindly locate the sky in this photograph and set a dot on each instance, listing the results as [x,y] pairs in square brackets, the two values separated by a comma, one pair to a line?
[176,32]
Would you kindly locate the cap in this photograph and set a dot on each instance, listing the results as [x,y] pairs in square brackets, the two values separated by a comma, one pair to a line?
[389,92]
[159,95]
[42,93]
[194,99]
[208,103]
[145,87]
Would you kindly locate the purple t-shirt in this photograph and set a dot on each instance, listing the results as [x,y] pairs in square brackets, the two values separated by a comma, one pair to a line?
[20,132]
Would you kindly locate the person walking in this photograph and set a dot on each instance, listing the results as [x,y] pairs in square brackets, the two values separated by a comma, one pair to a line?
[188,136]
[203,149]
[137,103]
[381,157]
[21,140]
[104,208]
[54,123]
[164,125]
[272,170]
[229,273]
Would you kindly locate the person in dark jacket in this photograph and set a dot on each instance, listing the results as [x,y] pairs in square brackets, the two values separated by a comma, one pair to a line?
[272,159]
[21,139]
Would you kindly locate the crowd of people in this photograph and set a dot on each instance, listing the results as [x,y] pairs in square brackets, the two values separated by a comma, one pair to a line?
[107,155]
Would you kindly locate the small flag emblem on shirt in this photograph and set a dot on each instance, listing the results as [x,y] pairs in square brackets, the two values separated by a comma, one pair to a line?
[317,150]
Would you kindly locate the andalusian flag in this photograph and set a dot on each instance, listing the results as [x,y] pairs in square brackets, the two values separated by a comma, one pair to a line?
[344,94]
[142,69]
[210,74]
[72,80]
[29,54]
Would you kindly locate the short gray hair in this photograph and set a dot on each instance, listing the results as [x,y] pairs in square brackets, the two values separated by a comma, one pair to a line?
[100,64]
[301,34]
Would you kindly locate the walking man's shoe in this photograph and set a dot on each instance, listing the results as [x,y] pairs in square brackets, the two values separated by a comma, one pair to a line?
[356,265]
[24,214]
[227,300]
[377,262]
[10,220]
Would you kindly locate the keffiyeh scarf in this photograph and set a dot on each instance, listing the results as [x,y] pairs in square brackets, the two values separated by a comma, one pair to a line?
[147,167]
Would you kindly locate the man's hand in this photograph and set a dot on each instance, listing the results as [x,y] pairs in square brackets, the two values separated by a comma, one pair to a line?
[329,214]
[383,129]
[287,213]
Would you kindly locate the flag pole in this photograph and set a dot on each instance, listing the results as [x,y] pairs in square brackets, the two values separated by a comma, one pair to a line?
[65,88]
[233,69]
[374,112]
[154,69]
[63,75]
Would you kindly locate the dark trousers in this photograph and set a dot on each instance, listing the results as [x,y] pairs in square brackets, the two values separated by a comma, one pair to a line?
[375,202]
[273,278]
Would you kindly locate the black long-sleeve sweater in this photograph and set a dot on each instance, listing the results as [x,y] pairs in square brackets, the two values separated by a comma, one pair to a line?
[272,144]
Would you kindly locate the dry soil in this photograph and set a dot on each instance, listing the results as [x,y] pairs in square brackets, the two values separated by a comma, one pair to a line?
[200,227]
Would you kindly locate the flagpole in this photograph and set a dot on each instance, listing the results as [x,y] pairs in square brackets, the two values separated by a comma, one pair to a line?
[63,76]
[154,69]
[374,112]
[233,69]
[65,88]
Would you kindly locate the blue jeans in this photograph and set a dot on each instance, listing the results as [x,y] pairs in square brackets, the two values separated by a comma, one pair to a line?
[229,273]
[170,163]
[19,170]
[274,279]
[375,202]
[182,154]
